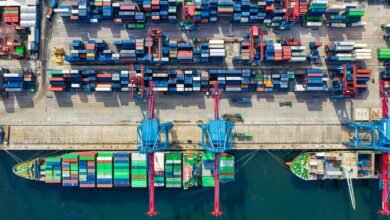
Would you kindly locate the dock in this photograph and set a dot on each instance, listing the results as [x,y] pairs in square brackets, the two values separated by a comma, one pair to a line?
[183,137]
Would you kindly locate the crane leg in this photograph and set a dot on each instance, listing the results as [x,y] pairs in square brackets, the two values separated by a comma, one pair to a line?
[217,210]
[385,191]
[152,211]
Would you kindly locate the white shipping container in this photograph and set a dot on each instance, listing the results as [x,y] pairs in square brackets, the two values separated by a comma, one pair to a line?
[28,9]
[217,51]
[216,42]
[359,24]
[74,71]
[337,25]
[28,23]
[360,45]
[233,78]
[362,50]
[344,43]
[298,48]
[344,48]
[74,11]
[13,74]
[62,10]
[216,46]
[313,24]
[344,55]
[102,89]
[298,59]
[217,54]
[28,16]
[75,85]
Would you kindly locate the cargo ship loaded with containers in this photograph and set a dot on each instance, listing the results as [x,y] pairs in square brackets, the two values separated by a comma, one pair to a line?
[128,169]
[336,165]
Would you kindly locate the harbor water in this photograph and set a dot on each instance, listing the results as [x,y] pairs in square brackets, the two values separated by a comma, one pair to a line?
[264,189]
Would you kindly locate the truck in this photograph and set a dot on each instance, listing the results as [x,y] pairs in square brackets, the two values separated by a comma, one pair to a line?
[53,5]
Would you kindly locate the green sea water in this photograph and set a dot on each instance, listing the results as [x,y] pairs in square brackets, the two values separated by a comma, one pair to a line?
[264,189]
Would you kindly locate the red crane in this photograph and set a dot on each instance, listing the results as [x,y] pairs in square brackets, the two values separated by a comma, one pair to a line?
[8,39]
[188,11]
[292,9]
[384,95]
[350,86]
[137,79]
[254,33]
[152,210]
[154,36]
[217,95]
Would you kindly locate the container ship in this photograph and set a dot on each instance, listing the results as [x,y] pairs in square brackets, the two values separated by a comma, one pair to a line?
[128,169]
[336,165]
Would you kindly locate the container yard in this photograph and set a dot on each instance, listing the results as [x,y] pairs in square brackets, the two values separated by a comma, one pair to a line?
[161,97]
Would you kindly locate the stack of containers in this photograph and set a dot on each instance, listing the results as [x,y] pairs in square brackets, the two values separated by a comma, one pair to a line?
[217,50]
[53,169]
[314,15]
[17,82]
[297,54]
[213,11]
[173,170]
[303,7]
[70,170]
[268,84]
[226,168]
[362,77]
[28,19]
[225,7]
[185,52]
[316,80]
[353,17]
[87,169]
[138,170]
[275,80]
[234,80]
[347,51]
[384,53]
[122,169]
[11,15]
[127,12]
[104,170]
[159,169]
[207,169]
[172,11]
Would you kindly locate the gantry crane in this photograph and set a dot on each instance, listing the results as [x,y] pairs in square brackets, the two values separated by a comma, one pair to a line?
[155,36]
[137,79]
[255,41]
[7,36]
[149,141]
[217,137]
[291,15]
[379,140]
[188,16]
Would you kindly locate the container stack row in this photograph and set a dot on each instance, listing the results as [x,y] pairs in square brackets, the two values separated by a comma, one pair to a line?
[173,168]
[344,51]
[104,169]
[121,169]
[353,73]
[271,13]
[70,170]
[139,170]
[316,80]
[159,169]
[17,82]
[226,168]
[195,80]
[344,15]
[315,13]
[208,169]
[87,172]
[384,53]
[53,170]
